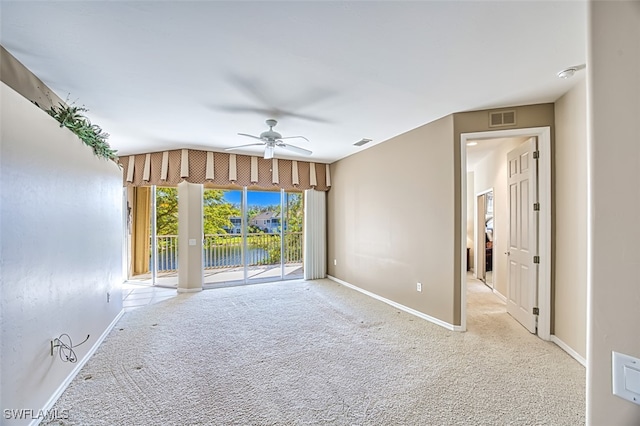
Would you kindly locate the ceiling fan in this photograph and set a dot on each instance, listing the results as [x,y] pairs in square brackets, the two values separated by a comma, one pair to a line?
[272,139]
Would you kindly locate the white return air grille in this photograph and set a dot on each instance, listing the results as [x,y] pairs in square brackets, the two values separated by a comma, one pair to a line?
[502,118]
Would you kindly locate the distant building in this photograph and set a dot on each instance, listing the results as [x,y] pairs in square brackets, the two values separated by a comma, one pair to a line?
[236,225]
[266,221]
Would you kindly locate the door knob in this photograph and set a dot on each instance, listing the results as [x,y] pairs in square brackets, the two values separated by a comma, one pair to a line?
[508,253]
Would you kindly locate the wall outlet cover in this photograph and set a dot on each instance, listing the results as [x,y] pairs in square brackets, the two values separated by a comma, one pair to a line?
[626,377]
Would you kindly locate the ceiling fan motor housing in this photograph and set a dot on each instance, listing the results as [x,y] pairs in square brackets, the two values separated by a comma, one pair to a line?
[270,135]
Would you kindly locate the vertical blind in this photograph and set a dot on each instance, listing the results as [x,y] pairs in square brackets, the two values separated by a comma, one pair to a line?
[315,231]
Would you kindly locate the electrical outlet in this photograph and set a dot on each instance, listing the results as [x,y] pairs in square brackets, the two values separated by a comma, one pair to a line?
[108,297]
[335,262]
[419,286]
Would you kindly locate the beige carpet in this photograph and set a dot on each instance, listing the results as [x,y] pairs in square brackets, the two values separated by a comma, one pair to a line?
[317,353]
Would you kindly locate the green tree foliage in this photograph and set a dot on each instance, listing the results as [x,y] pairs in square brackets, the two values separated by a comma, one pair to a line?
[217,211]
[167,211]
[294,212]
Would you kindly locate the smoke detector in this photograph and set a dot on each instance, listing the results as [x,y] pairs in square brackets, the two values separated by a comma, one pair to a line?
[569,72]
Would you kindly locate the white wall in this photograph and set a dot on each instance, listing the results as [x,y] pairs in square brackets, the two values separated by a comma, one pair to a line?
[491,172]
[570,186]
[613,99]
[61,229]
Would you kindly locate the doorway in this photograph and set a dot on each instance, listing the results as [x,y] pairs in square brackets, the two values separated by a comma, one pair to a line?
[543,284]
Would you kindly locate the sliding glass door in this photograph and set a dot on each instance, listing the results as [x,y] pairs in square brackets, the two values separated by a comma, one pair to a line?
[263,229]
[249,236]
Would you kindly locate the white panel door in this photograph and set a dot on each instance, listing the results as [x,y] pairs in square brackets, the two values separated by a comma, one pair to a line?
[523,234]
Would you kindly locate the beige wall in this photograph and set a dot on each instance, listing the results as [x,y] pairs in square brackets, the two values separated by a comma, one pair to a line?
[613,99]
[391,219]
[23,81]
[570,295]
[190,227]
[491,172]
[394,213]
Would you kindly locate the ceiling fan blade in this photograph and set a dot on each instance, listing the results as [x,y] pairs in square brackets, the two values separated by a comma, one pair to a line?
[243,146]
[294,148]
[252,87]
[267,112]
[296,137]
[250,136]
[305,117]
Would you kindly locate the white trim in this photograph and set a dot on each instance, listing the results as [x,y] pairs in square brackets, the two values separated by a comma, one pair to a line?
[63,386]
[544,235]
[500,295]
[189,290]
[544,224]
[398,305]
[463,234]
[568,349]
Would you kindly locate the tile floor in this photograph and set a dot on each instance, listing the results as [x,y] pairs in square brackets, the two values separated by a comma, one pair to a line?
[213,277]
[139,291]
[138,295]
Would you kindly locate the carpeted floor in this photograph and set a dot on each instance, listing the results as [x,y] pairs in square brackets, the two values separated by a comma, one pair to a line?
[317,353]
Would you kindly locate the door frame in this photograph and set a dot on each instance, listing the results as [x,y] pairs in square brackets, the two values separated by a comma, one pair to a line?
[544,224]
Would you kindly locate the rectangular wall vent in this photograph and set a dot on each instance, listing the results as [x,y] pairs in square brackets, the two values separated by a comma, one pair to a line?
[362,142]
[502,118]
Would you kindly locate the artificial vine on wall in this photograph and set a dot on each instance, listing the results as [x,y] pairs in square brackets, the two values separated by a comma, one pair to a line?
[71,117]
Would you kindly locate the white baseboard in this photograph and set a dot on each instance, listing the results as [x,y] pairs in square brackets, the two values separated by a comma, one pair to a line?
[568,349]
[399,306]
[77,368]
[189,290]
[500,295]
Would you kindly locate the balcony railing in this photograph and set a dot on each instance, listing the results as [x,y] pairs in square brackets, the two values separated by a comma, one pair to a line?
[225,250]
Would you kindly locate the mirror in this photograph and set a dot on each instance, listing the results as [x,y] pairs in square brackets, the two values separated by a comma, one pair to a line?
[484,241]
[488,230]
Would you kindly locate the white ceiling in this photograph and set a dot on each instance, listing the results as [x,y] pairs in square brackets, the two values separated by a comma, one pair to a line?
[174,74]
[483,148]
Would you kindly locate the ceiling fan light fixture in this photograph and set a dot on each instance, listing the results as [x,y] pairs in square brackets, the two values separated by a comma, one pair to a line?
[268,152]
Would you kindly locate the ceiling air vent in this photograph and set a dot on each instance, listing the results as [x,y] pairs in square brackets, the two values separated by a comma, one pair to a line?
[362,142]
[502,118]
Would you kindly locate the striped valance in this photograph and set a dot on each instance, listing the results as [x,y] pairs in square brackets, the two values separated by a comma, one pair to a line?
[222,170]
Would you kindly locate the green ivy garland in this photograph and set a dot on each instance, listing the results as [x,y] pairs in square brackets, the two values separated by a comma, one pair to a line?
[71,117]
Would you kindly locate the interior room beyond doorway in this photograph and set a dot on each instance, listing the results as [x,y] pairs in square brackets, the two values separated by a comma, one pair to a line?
[484,164]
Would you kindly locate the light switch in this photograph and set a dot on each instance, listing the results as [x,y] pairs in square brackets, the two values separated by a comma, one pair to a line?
[626,377]
[632,379]
[192,241]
